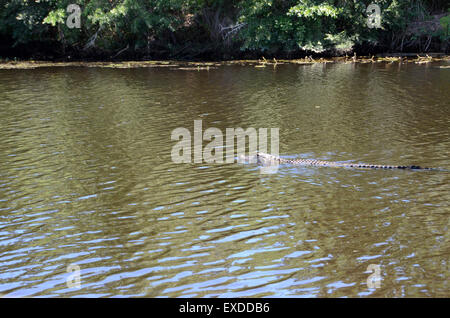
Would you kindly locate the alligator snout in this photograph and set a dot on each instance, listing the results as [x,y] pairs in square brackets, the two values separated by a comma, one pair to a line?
[248,159]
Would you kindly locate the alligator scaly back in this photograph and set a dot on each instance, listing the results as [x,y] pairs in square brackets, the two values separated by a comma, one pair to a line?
[267,159]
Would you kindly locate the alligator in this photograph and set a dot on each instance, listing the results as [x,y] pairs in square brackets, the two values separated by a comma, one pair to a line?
[266,159]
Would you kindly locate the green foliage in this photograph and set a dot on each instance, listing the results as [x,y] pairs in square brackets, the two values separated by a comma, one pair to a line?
[272,26]
[445,22]
[309,9]
[21,20]
[55,17]
[445,32]
[310,25]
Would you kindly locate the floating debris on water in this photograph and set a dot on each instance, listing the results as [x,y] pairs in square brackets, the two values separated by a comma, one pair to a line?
[261,63]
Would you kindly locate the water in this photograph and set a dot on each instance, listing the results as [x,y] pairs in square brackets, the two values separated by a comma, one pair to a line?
[86,179]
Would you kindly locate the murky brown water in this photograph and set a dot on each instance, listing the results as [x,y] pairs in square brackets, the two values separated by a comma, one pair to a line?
[86,178]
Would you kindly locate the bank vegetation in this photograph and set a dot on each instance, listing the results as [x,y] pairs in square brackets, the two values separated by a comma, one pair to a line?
[221,29]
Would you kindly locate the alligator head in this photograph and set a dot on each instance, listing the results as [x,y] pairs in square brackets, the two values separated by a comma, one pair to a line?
[259,158]
[266,159]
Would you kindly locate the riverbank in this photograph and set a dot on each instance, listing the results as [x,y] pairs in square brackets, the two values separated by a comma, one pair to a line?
[260,63]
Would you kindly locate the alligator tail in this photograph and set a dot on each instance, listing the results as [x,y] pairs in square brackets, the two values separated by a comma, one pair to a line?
[412,167]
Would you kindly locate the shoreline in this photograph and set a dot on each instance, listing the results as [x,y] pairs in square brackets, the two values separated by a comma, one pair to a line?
[260,63]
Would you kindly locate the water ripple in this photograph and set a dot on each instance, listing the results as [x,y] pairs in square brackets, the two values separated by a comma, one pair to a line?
[86,178]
